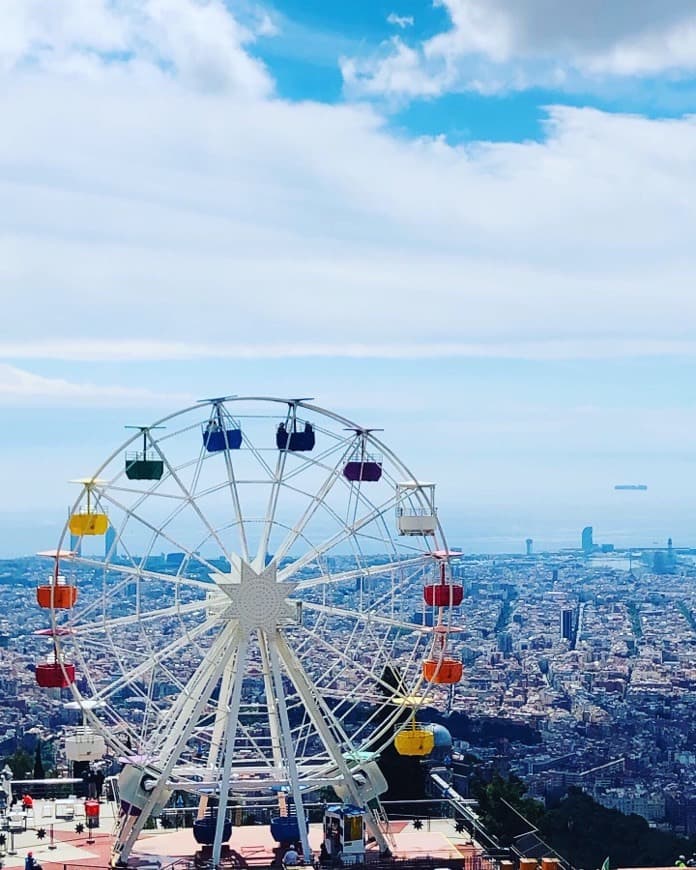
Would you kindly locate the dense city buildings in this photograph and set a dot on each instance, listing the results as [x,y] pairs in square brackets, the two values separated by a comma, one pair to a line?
[584,664]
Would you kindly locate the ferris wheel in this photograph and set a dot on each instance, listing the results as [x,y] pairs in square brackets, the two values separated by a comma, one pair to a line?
[246,596]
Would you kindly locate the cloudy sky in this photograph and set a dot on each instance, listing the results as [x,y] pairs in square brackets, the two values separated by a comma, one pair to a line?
[469,222]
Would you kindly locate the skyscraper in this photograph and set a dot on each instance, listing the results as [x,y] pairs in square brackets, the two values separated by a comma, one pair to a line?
[529,543]
[110,547]
[567,624]
[587,543]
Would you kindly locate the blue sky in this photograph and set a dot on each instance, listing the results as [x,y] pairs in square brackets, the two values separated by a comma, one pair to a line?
[467,222]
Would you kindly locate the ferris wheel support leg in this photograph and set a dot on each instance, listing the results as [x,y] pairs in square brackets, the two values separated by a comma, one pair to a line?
[289,748]
[219,727]
[273,722]
[229,741]
[319,718]
[198,694]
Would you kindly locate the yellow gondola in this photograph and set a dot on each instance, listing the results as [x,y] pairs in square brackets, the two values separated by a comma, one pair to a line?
[86,521]
[414,740]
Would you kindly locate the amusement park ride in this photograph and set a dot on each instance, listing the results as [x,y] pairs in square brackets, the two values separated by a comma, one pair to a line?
[301,618]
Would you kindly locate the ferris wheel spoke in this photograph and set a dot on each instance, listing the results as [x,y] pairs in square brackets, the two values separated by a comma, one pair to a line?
[198,690]
[366,617]
[316,502]
[144,573]
[89,628]
[318,461]
[344,534]
[163,654]
[189,497]
[234,492]
[272,502]
[356,667]
[367,572]
[221,714]
[159,532]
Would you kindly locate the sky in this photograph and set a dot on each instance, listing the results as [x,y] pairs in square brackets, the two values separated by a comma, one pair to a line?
[468,222]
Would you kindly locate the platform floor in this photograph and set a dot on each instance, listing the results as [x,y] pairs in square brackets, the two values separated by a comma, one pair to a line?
[62,845]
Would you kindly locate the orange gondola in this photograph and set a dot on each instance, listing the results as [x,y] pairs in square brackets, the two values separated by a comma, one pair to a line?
[57,593]
[444,671]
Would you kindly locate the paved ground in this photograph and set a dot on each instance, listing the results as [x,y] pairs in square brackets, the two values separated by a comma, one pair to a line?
[61,845]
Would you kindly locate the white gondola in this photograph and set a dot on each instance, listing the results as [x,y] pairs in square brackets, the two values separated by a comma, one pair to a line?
[84,744]
[416,513]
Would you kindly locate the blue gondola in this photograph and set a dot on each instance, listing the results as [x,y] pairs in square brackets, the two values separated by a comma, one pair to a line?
[221,432]
[295,440]
[286,829]
[204,830]
[221,439]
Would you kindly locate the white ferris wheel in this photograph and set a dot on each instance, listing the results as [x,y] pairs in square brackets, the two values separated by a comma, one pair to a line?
[237,606]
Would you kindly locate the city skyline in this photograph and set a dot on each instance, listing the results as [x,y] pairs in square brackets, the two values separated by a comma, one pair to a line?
[464,223]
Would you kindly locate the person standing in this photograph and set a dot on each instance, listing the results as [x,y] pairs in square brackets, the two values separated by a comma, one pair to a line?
[99,780]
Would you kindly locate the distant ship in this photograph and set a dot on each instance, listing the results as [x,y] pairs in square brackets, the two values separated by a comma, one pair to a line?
[639,486]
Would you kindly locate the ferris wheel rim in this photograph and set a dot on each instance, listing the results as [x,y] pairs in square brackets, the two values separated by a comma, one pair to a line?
[378,443]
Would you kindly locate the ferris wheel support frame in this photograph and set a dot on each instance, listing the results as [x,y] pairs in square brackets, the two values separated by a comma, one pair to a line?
[228,747]
[286,736]
[207,674]
[312,705]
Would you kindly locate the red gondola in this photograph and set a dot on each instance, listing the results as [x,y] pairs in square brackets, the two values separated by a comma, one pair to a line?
[53,675]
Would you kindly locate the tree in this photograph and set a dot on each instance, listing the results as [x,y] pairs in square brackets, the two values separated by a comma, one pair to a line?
[501,802]
[586,832]
[21,764]
[39,772]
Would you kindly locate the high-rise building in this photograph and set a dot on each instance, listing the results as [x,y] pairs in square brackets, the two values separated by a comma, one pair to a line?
[505,642]
[587,543]
[567,624]
[110,546]
[529,544]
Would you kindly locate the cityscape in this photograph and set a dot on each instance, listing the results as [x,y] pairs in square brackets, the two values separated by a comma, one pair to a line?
[589,652]
[347,355]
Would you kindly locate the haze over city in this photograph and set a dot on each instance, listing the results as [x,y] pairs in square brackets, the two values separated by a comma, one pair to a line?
[467,223]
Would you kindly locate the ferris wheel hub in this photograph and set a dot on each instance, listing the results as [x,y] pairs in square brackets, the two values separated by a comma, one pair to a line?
[257,599]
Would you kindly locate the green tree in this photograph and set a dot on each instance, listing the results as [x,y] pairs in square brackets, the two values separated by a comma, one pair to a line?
[21,764]
[39,772]
[501,802]
[586,833]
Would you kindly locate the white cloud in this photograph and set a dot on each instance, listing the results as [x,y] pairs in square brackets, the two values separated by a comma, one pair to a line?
[147,220]
[155,350]
[20,388]
[401,21]
[498,45]
[197,41]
